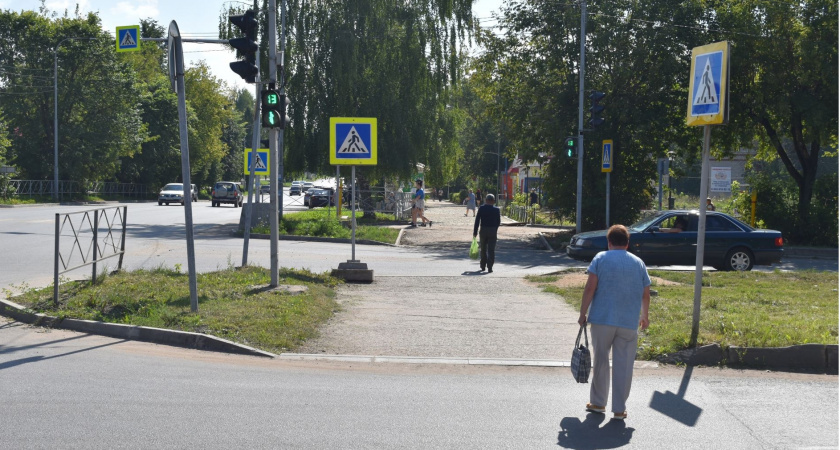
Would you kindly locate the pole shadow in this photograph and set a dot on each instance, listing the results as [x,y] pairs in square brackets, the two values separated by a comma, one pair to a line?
[473,273]
[676,406]
[589,435]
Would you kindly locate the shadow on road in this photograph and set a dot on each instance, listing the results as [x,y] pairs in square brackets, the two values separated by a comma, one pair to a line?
[676,406]
[590,435]
[39,358]
[178,231]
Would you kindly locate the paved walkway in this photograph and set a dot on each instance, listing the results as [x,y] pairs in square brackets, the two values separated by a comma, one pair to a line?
[465,315]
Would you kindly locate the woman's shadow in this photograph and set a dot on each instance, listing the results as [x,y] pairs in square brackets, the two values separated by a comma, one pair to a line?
[588,435]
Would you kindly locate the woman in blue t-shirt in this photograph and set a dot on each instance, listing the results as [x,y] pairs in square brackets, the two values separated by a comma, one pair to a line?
[419,205]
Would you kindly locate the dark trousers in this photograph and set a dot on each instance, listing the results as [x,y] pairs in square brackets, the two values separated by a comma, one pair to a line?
[487,243]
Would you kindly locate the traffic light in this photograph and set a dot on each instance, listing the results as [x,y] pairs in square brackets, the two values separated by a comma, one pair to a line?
[246,46]
[596,109]
[570,147]
[274,109]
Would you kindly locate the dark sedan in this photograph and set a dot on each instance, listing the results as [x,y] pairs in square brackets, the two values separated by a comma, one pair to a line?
[315,197]
[659,241]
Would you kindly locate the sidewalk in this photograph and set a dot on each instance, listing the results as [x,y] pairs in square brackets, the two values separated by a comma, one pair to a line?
[465,315]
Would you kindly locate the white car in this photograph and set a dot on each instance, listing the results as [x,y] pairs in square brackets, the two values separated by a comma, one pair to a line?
[174,193]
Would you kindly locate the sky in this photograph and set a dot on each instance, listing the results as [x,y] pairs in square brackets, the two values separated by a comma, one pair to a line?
[197,19]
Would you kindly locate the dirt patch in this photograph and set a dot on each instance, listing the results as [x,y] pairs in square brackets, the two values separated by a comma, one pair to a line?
[575,279]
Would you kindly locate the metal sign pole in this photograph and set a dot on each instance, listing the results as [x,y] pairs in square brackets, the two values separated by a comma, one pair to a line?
[255,144]
[608,199]
[701,237]
[353,209]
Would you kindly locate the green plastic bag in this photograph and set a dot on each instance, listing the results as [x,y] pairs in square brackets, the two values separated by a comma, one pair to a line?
[474,249]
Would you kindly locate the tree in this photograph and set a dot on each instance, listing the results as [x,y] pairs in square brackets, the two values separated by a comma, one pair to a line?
[97,96]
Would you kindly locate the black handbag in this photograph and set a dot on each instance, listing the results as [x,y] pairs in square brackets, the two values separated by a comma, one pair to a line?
[581,359]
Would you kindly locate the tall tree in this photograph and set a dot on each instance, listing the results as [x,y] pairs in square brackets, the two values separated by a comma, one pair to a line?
[97,96]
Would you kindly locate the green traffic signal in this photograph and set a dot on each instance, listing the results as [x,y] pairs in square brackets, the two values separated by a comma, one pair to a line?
[571,143]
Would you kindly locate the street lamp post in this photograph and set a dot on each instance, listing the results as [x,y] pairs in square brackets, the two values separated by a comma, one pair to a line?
[55,108]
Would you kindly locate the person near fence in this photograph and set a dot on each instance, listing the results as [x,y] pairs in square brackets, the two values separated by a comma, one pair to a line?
[478,198]
[419,205]
[535,199]
[470,202]
[616,298]
[489,218]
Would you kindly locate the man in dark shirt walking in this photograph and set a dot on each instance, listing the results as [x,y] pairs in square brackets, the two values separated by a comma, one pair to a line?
[489,218]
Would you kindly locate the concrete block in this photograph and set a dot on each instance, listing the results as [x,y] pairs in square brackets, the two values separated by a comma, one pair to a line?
[353,271]
[261,215]
[707,355]
[806,357]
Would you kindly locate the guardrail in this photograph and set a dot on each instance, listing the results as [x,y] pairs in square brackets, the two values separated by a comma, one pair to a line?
[45,188]
[83,229]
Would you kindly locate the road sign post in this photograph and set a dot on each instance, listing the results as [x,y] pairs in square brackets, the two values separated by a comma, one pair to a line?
[607,154]
[352,143]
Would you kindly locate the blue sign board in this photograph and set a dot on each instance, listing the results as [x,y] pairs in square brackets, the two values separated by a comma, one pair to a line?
[128,38]
[352,141]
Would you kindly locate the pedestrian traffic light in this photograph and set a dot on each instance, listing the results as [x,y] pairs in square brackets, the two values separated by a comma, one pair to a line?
[596,109]
[246,46]
[570,147]
[274,109]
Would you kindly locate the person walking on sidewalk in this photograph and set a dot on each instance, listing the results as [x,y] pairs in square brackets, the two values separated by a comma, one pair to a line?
[470,202]
[419,205]
[617,298]
[488,218]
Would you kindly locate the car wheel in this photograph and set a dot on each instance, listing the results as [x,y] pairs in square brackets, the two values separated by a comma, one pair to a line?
[160,203]
[739,259]
[167,203]
[183,203]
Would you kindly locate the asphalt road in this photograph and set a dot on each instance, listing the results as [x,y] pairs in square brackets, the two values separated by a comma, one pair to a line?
[66,390]
[156,237]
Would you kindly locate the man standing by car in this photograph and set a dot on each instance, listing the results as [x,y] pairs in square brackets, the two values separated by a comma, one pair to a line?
[618,290]
[488,218]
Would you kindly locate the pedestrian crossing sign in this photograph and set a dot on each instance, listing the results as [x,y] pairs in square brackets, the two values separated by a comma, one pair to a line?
[708,92]
[607,156]
[353,141]
[262,163]
[128,38]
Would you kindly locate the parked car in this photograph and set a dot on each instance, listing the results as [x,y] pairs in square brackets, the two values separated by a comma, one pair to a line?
[296,188]
[319,197]
[174,193]
[306,186]
[226,192]
[265,189]
[729,244]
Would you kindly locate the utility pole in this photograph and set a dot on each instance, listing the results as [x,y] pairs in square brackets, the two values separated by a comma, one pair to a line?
[272,144]
[582,71]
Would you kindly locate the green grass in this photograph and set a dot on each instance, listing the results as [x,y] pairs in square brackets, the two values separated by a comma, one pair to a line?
[317,223]
[745,309]
[233,304]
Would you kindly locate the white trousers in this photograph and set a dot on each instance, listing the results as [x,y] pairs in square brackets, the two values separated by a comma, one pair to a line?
[623,342]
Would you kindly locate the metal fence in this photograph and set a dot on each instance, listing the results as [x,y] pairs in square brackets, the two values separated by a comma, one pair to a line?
[67,188]
[87,237]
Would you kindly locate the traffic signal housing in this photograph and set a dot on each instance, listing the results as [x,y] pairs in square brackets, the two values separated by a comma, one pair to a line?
[596,109]
[246,46]
[570,147]
[274,109]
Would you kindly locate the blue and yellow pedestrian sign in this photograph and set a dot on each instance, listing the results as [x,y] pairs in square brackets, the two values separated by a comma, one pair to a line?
[263,162]
[353,141]
[128,38]
[607,156]
[708,92]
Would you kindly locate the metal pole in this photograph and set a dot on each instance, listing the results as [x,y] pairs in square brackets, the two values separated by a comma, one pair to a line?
[579,199]
[701,237]
[353,209]
[95,243]
[57,256]
[272,143]
[185,160]
[281,151]
[122,240]
[498,168]
[255,143]
[659,169]
[608,199]
[337,193]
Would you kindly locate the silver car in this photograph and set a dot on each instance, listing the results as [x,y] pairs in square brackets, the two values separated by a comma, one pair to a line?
[174,193]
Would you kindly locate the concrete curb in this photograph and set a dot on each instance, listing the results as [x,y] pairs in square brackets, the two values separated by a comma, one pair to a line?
[811,252]
[324,239]
[545,242]
[817,358]
[198,341]
[443,360]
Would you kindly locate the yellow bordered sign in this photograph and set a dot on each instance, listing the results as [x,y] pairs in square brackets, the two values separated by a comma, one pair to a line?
[263,167]
[607,156]
[128,38]
[353,141]
[708,89]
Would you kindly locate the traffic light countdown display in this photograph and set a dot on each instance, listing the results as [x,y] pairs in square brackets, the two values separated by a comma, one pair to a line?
[246,46]
[274,109]
[571,147]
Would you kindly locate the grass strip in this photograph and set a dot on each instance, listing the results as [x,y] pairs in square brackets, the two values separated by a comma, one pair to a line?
[745,309]
[318,223]
[233,304]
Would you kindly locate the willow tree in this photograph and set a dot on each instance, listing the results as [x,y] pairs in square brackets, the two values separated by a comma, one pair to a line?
[396,61]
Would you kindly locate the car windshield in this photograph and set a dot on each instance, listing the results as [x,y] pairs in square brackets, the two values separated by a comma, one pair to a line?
[173,187]
[644,223]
